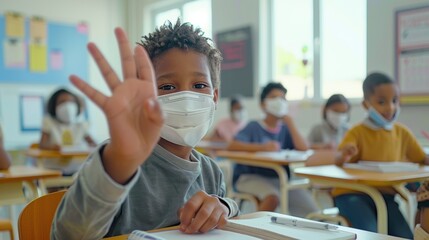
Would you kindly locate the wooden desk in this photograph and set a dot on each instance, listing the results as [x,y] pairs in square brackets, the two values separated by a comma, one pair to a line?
[361,235]
[364,181]
[275,161]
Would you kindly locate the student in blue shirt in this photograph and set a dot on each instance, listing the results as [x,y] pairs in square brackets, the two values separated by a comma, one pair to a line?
[276,131]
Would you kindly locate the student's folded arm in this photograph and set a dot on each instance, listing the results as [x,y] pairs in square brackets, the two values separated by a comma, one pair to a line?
[4,157]
[90,205]
[298,140]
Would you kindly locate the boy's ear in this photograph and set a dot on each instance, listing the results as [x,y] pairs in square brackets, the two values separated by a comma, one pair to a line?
[216,95]
[365,104]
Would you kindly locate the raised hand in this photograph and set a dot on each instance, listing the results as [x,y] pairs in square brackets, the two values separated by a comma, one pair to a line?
[133,114]
[202,213]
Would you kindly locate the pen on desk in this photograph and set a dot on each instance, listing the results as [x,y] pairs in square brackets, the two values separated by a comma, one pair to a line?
[303,223]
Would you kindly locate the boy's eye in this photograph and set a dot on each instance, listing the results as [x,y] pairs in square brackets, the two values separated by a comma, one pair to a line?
[166,87]
[395,100]
[201,85]
[381,102]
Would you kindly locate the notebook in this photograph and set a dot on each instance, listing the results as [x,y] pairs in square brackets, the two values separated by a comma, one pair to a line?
[288,155]
[251,229]
[384,166]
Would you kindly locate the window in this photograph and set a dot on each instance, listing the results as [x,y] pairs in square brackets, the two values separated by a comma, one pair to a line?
[197,12]
[319,47]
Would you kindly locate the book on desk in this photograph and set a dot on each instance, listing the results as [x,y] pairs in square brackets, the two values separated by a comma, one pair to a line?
[383,166]
[261,227]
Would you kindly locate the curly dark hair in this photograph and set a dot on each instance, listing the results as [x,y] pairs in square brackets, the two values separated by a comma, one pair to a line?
[183,36]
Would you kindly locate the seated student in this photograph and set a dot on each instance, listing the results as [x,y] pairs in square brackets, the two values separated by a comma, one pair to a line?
[62,128]
[226,129]
[276,131]
[4,157]
[378,138]
[336,114]
[148,175]
[421,232]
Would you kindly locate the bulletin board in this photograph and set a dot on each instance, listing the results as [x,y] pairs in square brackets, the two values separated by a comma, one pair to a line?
[51,61]
[237,72]
[412,54]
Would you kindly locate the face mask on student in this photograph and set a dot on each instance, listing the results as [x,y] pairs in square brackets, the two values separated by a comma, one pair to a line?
[380,121]
[335,119]
[66,112]
[239,115]
[188,117]
[276,106]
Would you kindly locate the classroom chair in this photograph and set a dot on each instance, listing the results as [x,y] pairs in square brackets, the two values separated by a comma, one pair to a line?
[6,225]
[227,169]
[330,214]
[35,219]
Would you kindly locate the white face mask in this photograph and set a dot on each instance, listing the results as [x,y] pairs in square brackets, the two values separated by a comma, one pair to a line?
[239,115]
[336,120]
[188,117]
[276,106]
[66,112]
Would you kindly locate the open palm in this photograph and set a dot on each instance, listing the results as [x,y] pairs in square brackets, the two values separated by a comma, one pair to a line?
[133,114]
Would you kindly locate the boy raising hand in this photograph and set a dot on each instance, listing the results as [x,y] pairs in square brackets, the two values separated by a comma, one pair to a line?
[147,175]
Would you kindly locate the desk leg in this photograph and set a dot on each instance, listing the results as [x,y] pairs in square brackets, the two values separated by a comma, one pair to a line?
[284,192]
[373,193]
[411,207]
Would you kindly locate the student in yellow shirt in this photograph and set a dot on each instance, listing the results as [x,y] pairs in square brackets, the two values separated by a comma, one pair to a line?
[378,138]
[4,157]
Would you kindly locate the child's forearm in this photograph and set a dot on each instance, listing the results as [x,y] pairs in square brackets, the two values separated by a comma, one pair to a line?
[424,219]
[340,159]
[298,140]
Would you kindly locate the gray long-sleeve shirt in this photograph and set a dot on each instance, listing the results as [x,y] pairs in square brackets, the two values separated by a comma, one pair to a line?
[96,206]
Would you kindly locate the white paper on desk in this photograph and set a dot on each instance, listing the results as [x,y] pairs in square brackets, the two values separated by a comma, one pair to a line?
[215,234]
[76,149]
[384,166]
[290,155]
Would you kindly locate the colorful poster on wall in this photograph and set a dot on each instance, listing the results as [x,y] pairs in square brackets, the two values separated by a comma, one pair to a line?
[38,28]
[38,58]
[237,66]
[31,112]
[15,25]
[56,60]
[412,54]
[14,54]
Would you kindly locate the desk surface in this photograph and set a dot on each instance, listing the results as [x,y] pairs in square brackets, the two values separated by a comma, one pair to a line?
[38,153]
[332,172]
[26,173]
[361,235]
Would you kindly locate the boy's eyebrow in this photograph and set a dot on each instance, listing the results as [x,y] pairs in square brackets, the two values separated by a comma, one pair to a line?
[172,75]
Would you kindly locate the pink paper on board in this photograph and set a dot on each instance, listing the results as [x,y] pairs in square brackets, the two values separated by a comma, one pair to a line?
[82,28]
[57,60]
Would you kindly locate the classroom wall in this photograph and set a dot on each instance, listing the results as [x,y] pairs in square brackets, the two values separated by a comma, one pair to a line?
[380,55]
[101,16]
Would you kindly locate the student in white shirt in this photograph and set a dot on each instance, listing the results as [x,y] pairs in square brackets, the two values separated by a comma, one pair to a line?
[61,127]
